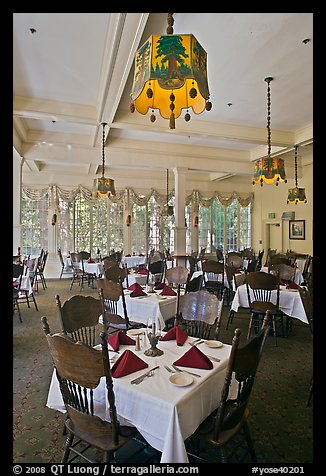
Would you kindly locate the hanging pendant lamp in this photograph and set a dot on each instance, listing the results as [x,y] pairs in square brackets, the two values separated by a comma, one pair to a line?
[167,209]
[296,194]
[170,76]
[269,169]
[103,187]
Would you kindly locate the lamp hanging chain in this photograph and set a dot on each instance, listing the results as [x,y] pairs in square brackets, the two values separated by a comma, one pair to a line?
[103,151]
[169,29]
[269,134]
[295,166]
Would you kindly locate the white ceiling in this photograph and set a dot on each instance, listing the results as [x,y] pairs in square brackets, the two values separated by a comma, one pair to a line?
[75,71]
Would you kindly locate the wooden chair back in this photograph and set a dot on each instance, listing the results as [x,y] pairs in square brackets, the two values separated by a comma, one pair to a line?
[156,269]
[234,259]
[79,369]
[262,285]
[242,366]
[194,284]
[79,317]
[201,313]
[116,274]
[285,272]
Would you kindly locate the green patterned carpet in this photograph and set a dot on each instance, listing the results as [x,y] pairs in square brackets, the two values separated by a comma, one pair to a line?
[281,423]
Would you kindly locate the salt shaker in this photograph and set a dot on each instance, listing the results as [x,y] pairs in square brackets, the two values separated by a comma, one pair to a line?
[137,342]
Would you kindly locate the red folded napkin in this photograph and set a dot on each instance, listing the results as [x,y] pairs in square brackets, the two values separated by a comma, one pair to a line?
[292,286]
[134,286]
[126,364]
[143,271]
[137,292]
[160,286]
[167,291]
[120,338]
[176,333]
[282,282]
[90,260]
[128,255]
[194,358]
[140,254]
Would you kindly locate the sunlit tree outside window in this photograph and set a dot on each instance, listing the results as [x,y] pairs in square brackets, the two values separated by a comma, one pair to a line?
[34,223]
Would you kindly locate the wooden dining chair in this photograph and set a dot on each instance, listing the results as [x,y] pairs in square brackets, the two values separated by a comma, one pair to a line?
[201,313]
[110,293]
[79,317]
[156,271]
[285,272]
[226,430]
[18,270]
[235,259]
[79,370]
[260,287]
[178,275]
[213,272]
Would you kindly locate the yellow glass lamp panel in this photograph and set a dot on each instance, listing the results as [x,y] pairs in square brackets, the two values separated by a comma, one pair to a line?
[166,64]
[297,195]
[269,170]
[103,187]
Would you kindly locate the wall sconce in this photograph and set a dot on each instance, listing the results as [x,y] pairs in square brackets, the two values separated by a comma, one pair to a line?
[128,220]
[196,221]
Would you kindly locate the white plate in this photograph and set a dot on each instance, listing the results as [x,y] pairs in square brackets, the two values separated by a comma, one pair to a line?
[135,332]
[213,344]
[181,379]
[293,290]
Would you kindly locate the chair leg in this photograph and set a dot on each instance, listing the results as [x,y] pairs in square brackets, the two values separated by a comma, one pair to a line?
[250,443]
[274,329]
[230,319]
[250,326]
[69,441]
[34,300]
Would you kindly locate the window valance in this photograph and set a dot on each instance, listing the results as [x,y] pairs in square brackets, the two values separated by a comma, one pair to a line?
[54,192]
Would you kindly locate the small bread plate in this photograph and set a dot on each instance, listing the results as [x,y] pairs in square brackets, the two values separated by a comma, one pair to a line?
[213,344]
[293,290]
[181,379]
[135,332]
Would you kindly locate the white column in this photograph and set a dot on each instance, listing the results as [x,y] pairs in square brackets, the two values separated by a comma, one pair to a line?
[179,210]
[16,200]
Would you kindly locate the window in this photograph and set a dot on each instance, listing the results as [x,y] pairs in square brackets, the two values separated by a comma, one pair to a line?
[34,225]
[138,244]
[227,228]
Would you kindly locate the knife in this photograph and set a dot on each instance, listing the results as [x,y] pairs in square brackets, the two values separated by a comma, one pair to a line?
[179,370]
[141,377]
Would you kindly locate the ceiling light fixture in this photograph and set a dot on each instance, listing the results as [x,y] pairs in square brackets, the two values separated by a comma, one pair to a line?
[269,169]
[167,209]
[103,187]
[170,75]
[296,194]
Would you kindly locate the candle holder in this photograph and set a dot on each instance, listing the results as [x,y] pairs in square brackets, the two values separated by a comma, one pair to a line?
[153,332]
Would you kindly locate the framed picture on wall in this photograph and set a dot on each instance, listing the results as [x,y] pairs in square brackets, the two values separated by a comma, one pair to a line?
[297,229]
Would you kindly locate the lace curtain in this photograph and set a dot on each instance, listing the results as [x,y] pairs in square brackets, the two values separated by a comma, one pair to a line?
[55,192]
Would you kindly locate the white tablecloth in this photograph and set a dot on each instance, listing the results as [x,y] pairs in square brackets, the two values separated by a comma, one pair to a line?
[135,278]
[163,413]
[25,285]
[290,302]
[199,273]
[298,278]
[133,261]
[139,309]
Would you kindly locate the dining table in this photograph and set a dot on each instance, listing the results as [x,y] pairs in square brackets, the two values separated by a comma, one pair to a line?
[133,261]
[290,302]
[164,413]
[153,305]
